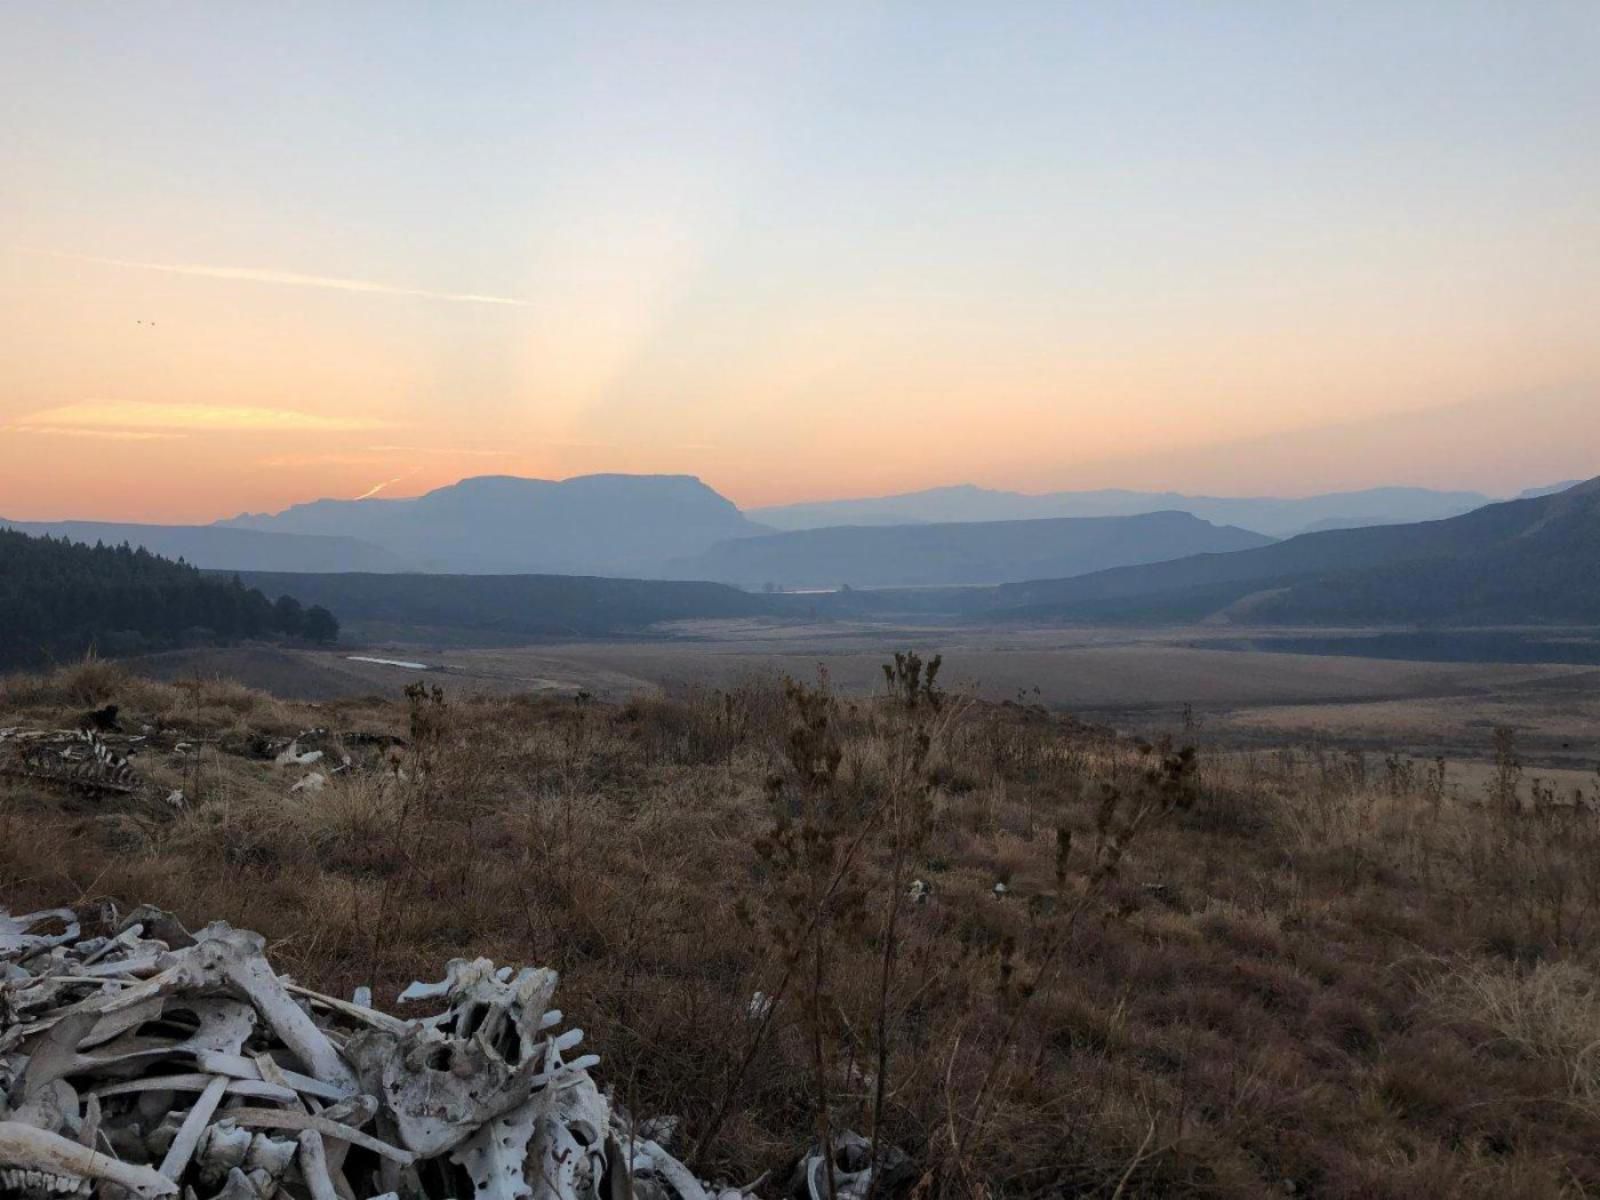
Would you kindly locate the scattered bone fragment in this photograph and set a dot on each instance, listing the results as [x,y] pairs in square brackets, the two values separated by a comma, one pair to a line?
[16,936]
[853,1171]
[82,759]
[294,757]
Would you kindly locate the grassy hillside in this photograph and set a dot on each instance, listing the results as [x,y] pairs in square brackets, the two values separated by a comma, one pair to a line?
[1524,560]
[1302,973]
[1547,571]
[60,598]
[509,606]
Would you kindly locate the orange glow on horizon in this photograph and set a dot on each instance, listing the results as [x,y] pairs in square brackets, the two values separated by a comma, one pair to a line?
[800,255]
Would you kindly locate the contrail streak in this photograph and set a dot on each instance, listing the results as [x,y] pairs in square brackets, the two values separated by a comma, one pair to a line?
[288,279]
[378,487]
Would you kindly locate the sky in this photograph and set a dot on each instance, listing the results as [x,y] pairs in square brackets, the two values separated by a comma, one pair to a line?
[255,254]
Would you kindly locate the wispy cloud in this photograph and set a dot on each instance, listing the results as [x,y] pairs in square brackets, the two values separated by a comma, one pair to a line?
[440,450]
[121,435]
[136,418]
[296,460]
[289,279]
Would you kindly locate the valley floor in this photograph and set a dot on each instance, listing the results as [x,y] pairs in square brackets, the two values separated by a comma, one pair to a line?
[1141,681]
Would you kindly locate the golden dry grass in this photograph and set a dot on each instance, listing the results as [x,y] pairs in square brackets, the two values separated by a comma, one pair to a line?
[1300,975]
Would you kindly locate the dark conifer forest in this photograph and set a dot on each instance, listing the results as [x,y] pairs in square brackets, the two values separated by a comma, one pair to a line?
[61,599]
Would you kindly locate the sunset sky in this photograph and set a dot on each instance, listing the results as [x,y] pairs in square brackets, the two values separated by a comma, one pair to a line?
[254,254]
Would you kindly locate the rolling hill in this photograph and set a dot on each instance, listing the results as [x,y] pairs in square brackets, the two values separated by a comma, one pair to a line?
[493,608]
[614,525]
[956,554]
[1522,561]
[1274,516]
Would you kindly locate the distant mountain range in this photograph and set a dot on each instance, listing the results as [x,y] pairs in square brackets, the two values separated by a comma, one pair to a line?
[1269,515]
[935,555]
[1550,490]
[1534,560]
[1522,562]
[674,526]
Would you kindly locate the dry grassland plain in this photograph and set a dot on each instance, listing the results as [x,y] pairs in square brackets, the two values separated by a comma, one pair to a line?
[1128,969]
[1145,682]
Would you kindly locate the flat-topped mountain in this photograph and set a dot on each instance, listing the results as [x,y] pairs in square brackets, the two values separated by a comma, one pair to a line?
[501,524]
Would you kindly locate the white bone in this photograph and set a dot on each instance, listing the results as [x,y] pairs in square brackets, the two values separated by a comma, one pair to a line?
[486,1081]
[314,1166]
[236,956]
[197,1083]
[364,1013]
[25,1146]
[183,1146]
[239,1067]
[483,1059]
[16,940]
[292,756]
[271,1118]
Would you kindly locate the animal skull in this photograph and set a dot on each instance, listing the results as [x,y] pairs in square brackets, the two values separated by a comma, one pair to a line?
[449,1076]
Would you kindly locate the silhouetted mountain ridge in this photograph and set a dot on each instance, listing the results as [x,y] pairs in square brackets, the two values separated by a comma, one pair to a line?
[1274,516]
[503,524]
[1528,560]
[958,554]
[218,548]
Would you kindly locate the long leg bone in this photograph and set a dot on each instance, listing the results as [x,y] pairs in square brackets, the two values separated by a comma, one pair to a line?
[183,1146]
[239,1067]
[272,1118]
[314,1166]
[236,956]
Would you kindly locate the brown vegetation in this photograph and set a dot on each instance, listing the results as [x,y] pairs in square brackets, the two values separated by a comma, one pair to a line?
[1214,975]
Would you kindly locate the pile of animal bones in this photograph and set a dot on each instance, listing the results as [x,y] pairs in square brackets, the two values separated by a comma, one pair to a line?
[98,756]
[150,1062]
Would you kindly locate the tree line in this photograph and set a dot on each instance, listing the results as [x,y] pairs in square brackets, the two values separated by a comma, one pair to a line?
[59,599]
